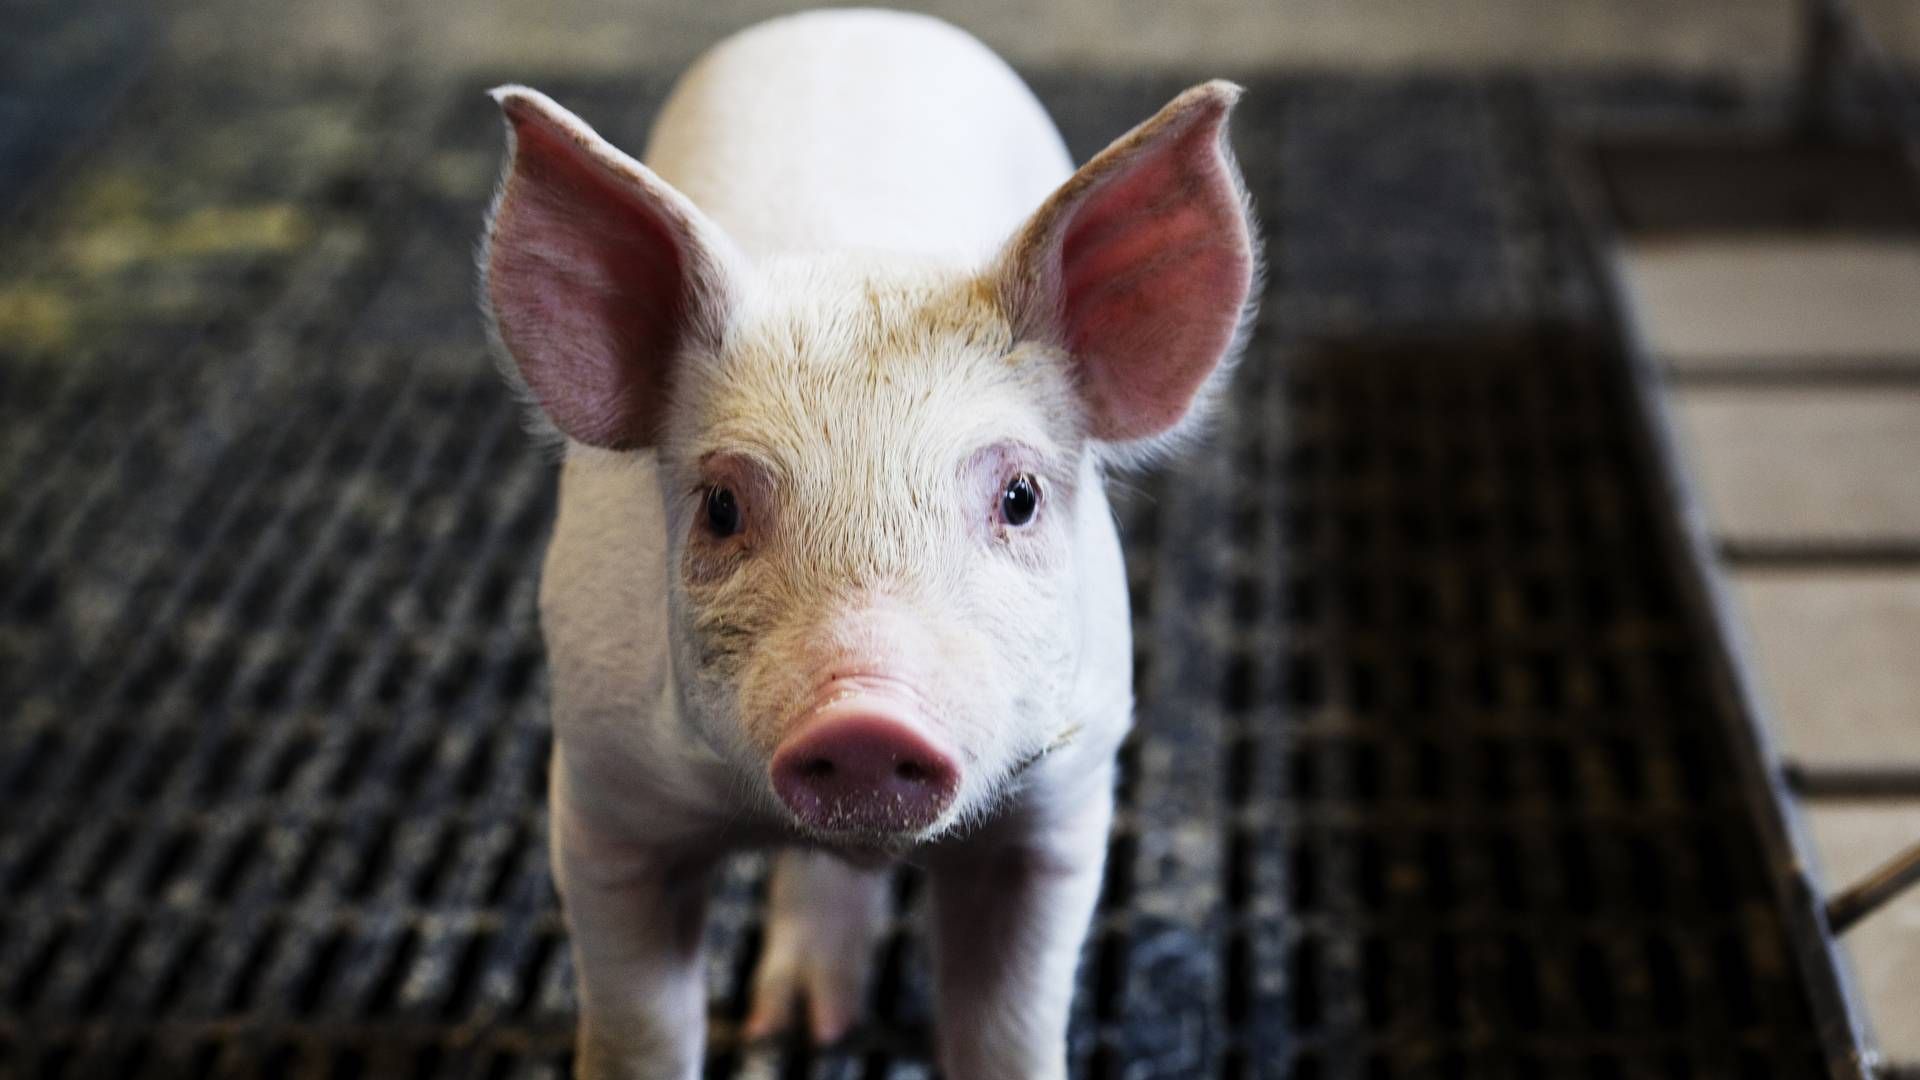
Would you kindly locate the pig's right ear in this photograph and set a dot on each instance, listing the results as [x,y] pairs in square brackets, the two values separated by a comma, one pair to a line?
[597,274]
[1140,268]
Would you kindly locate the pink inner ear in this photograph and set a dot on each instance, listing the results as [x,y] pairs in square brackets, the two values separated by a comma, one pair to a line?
[587,275]
[1155,264]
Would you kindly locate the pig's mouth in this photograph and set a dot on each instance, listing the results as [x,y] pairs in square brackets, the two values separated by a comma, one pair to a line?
[862,764]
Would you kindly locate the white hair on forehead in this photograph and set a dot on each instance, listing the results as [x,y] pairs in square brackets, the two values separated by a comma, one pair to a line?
[848,363]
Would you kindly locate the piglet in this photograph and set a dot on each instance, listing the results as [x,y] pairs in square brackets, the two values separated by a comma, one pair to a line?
[839,374]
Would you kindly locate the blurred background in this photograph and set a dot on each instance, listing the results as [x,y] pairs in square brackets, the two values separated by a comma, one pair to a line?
[1753,39]
[1532,658]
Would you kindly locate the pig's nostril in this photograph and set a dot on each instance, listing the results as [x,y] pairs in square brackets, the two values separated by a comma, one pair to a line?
[864,773]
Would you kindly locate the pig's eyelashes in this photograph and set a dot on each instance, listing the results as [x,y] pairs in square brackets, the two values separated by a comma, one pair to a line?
[1019,500]
[722,512]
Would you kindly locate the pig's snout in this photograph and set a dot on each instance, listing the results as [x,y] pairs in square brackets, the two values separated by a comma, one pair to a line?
[864,774]
[859,763]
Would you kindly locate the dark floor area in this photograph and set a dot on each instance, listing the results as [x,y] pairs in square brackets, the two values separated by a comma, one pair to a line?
[1429,779]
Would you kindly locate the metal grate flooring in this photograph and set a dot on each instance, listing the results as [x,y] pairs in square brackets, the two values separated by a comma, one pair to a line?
[1429,782]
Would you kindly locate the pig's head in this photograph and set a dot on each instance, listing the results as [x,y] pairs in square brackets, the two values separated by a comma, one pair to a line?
[875,467]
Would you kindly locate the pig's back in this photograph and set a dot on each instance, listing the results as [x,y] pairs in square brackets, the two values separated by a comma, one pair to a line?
[858,129]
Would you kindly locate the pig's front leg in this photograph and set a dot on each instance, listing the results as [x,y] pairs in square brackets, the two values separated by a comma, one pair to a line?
[637,915]
[1011,909]
[824,918]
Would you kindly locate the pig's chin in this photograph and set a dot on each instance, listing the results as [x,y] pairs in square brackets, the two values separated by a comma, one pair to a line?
[871,850]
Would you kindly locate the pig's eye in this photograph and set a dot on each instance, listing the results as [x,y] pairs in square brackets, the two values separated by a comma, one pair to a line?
[723,512]
[1019,500]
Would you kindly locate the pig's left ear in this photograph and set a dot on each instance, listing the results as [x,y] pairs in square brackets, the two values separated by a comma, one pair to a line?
[1140,267]
[598,276]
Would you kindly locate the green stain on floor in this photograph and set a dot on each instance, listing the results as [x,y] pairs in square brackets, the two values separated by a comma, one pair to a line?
[208,232]
[35,318]
[117,253]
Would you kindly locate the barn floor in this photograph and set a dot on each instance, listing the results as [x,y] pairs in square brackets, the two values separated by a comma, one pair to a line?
[1433,778]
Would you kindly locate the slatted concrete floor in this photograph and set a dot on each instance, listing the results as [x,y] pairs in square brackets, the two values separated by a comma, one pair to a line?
[1430,780]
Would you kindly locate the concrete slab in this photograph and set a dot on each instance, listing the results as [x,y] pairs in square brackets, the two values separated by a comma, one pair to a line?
[1838,653]
[1854,838]
[1770,302]
[1820,465]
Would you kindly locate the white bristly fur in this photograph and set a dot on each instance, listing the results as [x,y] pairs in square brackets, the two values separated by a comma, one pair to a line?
[860,170]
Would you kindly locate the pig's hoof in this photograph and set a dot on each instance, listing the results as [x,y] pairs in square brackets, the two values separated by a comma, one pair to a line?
[824,918]
[826,989]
